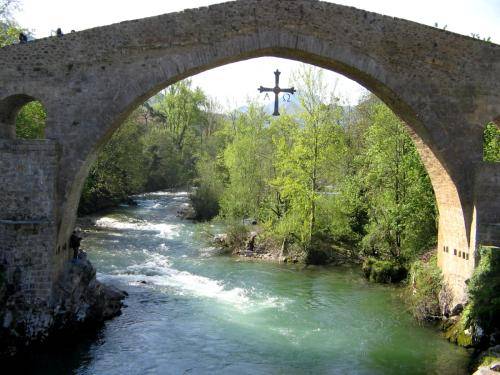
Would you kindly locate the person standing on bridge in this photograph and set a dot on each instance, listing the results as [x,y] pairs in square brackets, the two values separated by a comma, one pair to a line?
[23,39]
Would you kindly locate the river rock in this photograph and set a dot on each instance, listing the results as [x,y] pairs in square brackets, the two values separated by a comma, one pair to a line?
[457,309]
[487,370]
[220,240]
[484,370]
[80,298]
[186,211]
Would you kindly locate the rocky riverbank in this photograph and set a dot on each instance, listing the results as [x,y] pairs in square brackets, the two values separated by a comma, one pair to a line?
[249,241]
[78,301]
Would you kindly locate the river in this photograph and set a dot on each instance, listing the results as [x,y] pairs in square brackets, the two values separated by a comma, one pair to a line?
[190,311]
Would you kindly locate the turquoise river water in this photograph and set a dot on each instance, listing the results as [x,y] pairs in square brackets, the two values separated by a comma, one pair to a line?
[191,311]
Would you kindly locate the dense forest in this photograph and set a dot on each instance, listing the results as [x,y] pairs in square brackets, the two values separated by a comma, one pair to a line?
[321,181]
[348,176]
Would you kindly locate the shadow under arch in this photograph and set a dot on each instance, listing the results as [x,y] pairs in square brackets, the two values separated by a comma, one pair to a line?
[451,209]
[9,110]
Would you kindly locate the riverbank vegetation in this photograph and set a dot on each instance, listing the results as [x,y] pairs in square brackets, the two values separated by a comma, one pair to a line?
[156,148]
[324,177]
[483,309]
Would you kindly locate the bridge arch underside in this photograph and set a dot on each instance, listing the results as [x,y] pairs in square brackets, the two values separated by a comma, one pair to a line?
[440,84]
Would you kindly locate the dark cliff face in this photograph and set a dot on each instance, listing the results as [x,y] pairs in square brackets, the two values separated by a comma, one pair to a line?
[78,301]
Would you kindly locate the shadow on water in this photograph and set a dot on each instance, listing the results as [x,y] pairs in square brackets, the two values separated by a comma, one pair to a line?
[64,354]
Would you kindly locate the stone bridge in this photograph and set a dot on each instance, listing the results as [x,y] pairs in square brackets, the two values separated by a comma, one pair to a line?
[445,87]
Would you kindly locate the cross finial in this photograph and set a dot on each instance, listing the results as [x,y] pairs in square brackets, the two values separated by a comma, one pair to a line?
[277,90]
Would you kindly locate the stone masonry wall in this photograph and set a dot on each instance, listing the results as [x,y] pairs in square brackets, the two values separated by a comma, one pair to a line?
[28,176]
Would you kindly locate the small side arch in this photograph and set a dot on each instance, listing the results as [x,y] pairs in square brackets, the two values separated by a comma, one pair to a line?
[28,107]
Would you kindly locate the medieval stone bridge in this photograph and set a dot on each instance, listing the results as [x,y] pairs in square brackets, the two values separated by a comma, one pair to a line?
[445,86]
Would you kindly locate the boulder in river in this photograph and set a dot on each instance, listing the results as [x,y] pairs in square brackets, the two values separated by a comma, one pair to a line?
[186,211]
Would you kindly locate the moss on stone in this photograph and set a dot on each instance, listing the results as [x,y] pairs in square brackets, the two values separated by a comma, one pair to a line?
[456,332]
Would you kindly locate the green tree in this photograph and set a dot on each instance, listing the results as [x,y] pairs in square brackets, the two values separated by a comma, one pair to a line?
[248,160]
[400,199]
[491,143]
[118,172]
[211,173]
[305,159]
[178,124]
[9,29]
[30,121]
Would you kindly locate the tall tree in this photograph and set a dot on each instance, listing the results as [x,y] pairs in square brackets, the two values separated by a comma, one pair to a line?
[306,163]
[401,203]
[248,159]
[9,29]
[177,119]
[119,171]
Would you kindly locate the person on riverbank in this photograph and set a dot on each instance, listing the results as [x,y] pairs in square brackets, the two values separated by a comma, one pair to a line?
[74,243]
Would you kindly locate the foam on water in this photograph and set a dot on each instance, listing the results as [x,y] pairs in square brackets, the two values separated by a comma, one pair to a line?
[162,194]
[164,230]
[157,271]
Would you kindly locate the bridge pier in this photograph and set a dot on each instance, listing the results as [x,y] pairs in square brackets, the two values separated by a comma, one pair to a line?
[457,250]
[41,288]
[28,232]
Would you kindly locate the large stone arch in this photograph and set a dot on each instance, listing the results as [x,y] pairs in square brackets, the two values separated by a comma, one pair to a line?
[453,213]
[441,84]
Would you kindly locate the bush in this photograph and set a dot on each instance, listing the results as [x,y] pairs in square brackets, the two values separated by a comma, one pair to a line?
[383,271]
[237,235]
[205,203]
[484,292]
[425,284]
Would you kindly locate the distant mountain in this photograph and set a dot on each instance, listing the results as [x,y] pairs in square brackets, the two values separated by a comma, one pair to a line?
[289,105]
[293,107]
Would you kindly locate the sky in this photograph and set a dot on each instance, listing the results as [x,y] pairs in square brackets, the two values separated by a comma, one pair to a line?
[42,17]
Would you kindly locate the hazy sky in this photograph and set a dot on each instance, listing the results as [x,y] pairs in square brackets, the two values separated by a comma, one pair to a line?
[461,16]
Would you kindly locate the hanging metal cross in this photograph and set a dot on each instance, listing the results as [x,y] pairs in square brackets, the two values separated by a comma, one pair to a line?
[277,90]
